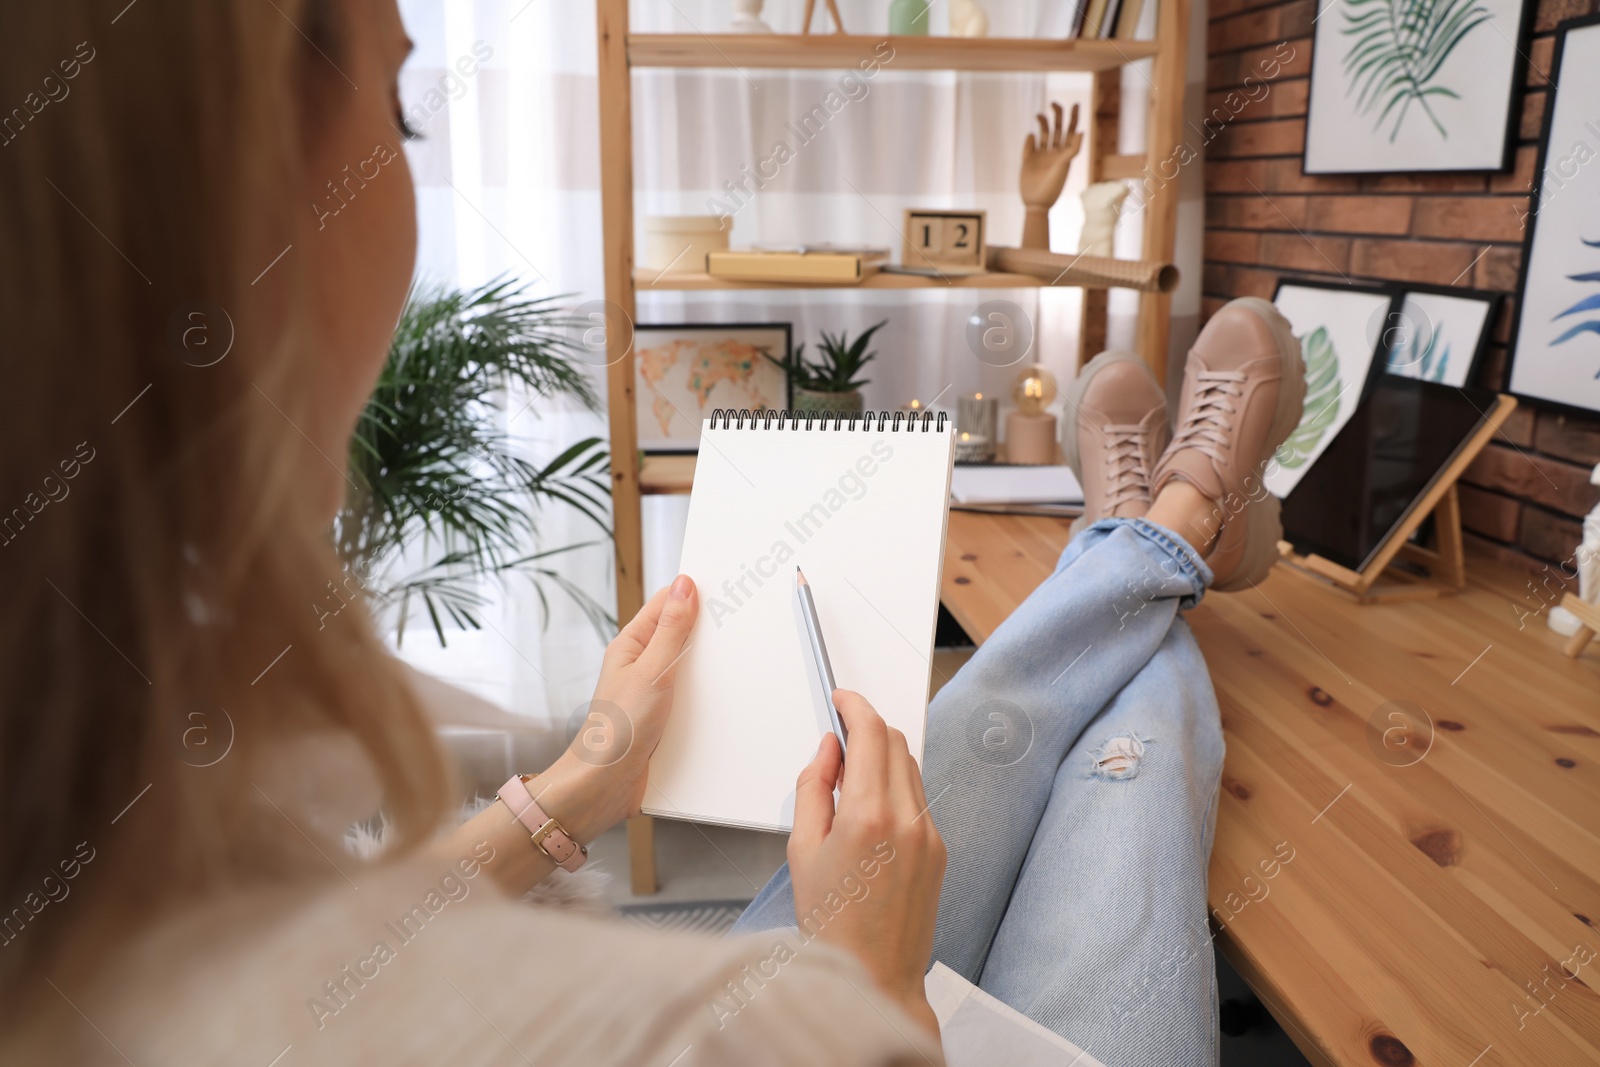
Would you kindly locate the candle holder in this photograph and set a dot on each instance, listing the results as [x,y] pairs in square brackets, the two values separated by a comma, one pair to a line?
[1030,430]
[973,448]
[976,419]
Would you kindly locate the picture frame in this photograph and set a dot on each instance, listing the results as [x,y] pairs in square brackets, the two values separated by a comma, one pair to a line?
[1441,333]
[1341,327]
[1459,115]
[684,371]
[1555,328]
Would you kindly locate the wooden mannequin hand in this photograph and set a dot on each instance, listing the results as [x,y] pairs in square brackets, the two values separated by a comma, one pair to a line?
[1045,162]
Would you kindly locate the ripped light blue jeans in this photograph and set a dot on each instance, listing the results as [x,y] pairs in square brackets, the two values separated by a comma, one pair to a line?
[1072,766]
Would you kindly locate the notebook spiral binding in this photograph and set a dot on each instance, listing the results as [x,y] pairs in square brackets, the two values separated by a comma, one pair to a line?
[893,421]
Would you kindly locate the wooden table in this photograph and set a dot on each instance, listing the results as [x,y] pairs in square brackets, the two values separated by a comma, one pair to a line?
[1435,890]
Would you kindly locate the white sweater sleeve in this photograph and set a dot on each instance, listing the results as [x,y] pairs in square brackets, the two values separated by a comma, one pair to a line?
[425,967]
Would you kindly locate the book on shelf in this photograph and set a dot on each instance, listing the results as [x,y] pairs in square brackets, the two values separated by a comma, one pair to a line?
[1128,20]
[1079,12]
[1093,16]
[798,264]
[1108,20]
[826,246]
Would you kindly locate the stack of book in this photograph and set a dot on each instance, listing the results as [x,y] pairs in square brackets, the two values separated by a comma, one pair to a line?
[1016,490]
[1105,19]
[798,265]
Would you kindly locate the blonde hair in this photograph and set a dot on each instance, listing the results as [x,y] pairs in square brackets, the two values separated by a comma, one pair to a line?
[158,542]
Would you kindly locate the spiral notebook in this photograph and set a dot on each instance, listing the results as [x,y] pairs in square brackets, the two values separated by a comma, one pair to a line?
[859,502]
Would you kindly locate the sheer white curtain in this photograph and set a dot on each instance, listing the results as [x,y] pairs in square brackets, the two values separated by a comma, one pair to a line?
[508,177]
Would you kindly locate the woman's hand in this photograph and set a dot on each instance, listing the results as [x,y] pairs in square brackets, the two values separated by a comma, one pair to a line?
[600,779]
[866,876]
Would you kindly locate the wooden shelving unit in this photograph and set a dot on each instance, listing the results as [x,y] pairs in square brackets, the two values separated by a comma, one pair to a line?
[621,51]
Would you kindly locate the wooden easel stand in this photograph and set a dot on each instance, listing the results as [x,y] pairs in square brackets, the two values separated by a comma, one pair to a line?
[1445,562]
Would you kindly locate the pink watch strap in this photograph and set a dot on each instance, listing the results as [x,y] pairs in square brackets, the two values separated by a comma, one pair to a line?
[547,833]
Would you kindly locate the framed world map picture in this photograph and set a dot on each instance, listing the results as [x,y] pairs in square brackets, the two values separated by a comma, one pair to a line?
[1555,355]
[1414,85]
[682,373]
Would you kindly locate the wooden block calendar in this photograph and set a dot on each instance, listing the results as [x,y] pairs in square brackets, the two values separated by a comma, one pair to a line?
[950,241]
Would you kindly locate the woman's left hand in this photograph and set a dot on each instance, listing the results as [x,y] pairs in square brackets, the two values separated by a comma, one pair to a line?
[600,779]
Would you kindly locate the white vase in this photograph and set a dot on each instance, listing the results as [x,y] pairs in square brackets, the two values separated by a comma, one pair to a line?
[747,17]
[968,19]
[1587,560]
[1101,203]
[1563,621]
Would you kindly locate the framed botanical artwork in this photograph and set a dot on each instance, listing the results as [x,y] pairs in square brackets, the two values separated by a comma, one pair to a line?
[683,372]
[1414,85]
[1440,334]
[1340,328]
[1555,354]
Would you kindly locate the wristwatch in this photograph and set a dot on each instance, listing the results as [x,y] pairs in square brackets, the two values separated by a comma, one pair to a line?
[548,834]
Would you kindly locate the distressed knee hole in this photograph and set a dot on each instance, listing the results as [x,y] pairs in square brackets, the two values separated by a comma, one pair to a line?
[1119,758]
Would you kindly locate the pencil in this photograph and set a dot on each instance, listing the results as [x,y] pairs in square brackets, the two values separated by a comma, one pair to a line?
[819,652]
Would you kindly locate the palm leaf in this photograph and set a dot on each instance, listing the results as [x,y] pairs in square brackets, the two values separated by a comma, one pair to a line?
[434,472]
[1398,49]
[1591,326]
[1323,390]
[1429,364]
[1589,303]
[1435,362]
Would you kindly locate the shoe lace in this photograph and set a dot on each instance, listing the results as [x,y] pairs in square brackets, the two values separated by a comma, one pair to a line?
[1127,474]
[1208,424]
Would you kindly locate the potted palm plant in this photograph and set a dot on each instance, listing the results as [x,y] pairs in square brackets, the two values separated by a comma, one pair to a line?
[833,383]
[440,500]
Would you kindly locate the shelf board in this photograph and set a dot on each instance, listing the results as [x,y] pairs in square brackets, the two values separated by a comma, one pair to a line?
[647,280]
[838,51]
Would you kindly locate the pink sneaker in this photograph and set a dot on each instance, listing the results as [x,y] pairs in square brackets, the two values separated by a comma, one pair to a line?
[1116,428]
[1243,390]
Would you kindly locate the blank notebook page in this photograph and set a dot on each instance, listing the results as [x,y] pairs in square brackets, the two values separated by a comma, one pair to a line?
[862,511]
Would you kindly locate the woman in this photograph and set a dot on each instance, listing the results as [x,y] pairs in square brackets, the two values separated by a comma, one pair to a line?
[191,334]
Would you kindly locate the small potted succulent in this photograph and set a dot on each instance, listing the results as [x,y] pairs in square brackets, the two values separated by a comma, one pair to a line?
[833,383]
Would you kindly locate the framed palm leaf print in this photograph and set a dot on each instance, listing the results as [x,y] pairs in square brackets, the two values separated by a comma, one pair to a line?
[1340,328]
[1414,85]
[1555,354]
[1440,333]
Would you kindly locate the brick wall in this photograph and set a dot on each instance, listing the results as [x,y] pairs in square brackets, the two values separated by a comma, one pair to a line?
[1523,498]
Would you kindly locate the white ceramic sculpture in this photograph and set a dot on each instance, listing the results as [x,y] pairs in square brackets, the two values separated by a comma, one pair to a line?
[1102,201]
[968,19]
[1587,559]
[747,17]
